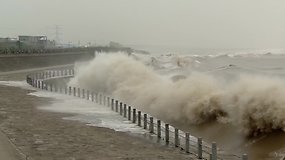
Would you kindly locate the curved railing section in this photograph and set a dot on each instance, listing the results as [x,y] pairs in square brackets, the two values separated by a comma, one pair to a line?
[164,132]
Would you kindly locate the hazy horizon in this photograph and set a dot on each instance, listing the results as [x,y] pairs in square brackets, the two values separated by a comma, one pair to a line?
[184,23]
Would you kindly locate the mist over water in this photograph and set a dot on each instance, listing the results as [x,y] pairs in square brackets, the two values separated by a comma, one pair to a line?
[172,88]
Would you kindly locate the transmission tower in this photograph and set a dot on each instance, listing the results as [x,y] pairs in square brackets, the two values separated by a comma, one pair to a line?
[57,34]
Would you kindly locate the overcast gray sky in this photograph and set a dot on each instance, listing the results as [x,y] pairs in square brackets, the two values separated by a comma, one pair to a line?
[187,23]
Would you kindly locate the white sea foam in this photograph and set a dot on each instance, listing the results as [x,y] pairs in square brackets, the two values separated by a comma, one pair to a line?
[252,102]
[88,112]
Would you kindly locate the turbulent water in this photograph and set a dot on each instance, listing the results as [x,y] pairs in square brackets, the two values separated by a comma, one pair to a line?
[245,91]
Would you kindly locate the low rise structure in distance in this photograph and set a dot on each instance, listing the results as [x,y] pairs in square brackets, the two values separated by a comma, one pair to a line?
[27,42]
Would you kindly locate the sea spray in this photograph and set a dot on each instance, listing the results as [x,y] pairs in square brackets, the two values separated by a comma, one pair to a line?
[253,103]
[256,104]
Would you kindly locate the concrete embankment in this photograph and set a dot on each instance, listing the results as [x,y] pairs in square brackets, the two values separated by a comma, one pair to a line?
[26,61]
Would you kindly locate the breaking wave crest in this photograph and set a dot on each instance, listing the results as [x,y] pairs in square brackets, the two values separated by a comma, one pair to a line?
[255,104]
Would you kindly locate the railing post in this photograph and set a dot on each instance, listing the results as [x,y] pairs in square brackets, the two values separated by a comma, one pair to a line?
[187,143]
[35,83]
[214,151]
[244,157]
[134,115]
[139,118]
[121,108]
[125,110]
[129,112]
[167,133]
[158,128]
[116,105]
[74,91]
[100,99]
[96,98]
[151,126]
[200,151]
[176,133]
[104,100]
[112,103]
[51,87]
[42,84]
[39,84]
[144,121]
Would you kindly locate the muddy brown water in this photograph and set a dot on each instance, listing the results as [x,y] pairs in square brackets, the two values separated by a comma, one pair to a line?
[228,138]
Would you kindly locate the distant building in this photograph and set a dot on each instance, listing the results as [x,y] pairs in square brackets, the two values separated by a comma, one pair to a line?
[26,43]
[6,43]
[39,42]
[2,40]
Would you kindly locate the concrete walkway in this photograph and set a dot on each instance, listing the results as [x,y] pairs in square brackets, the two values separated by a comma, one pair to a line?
[7,149]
